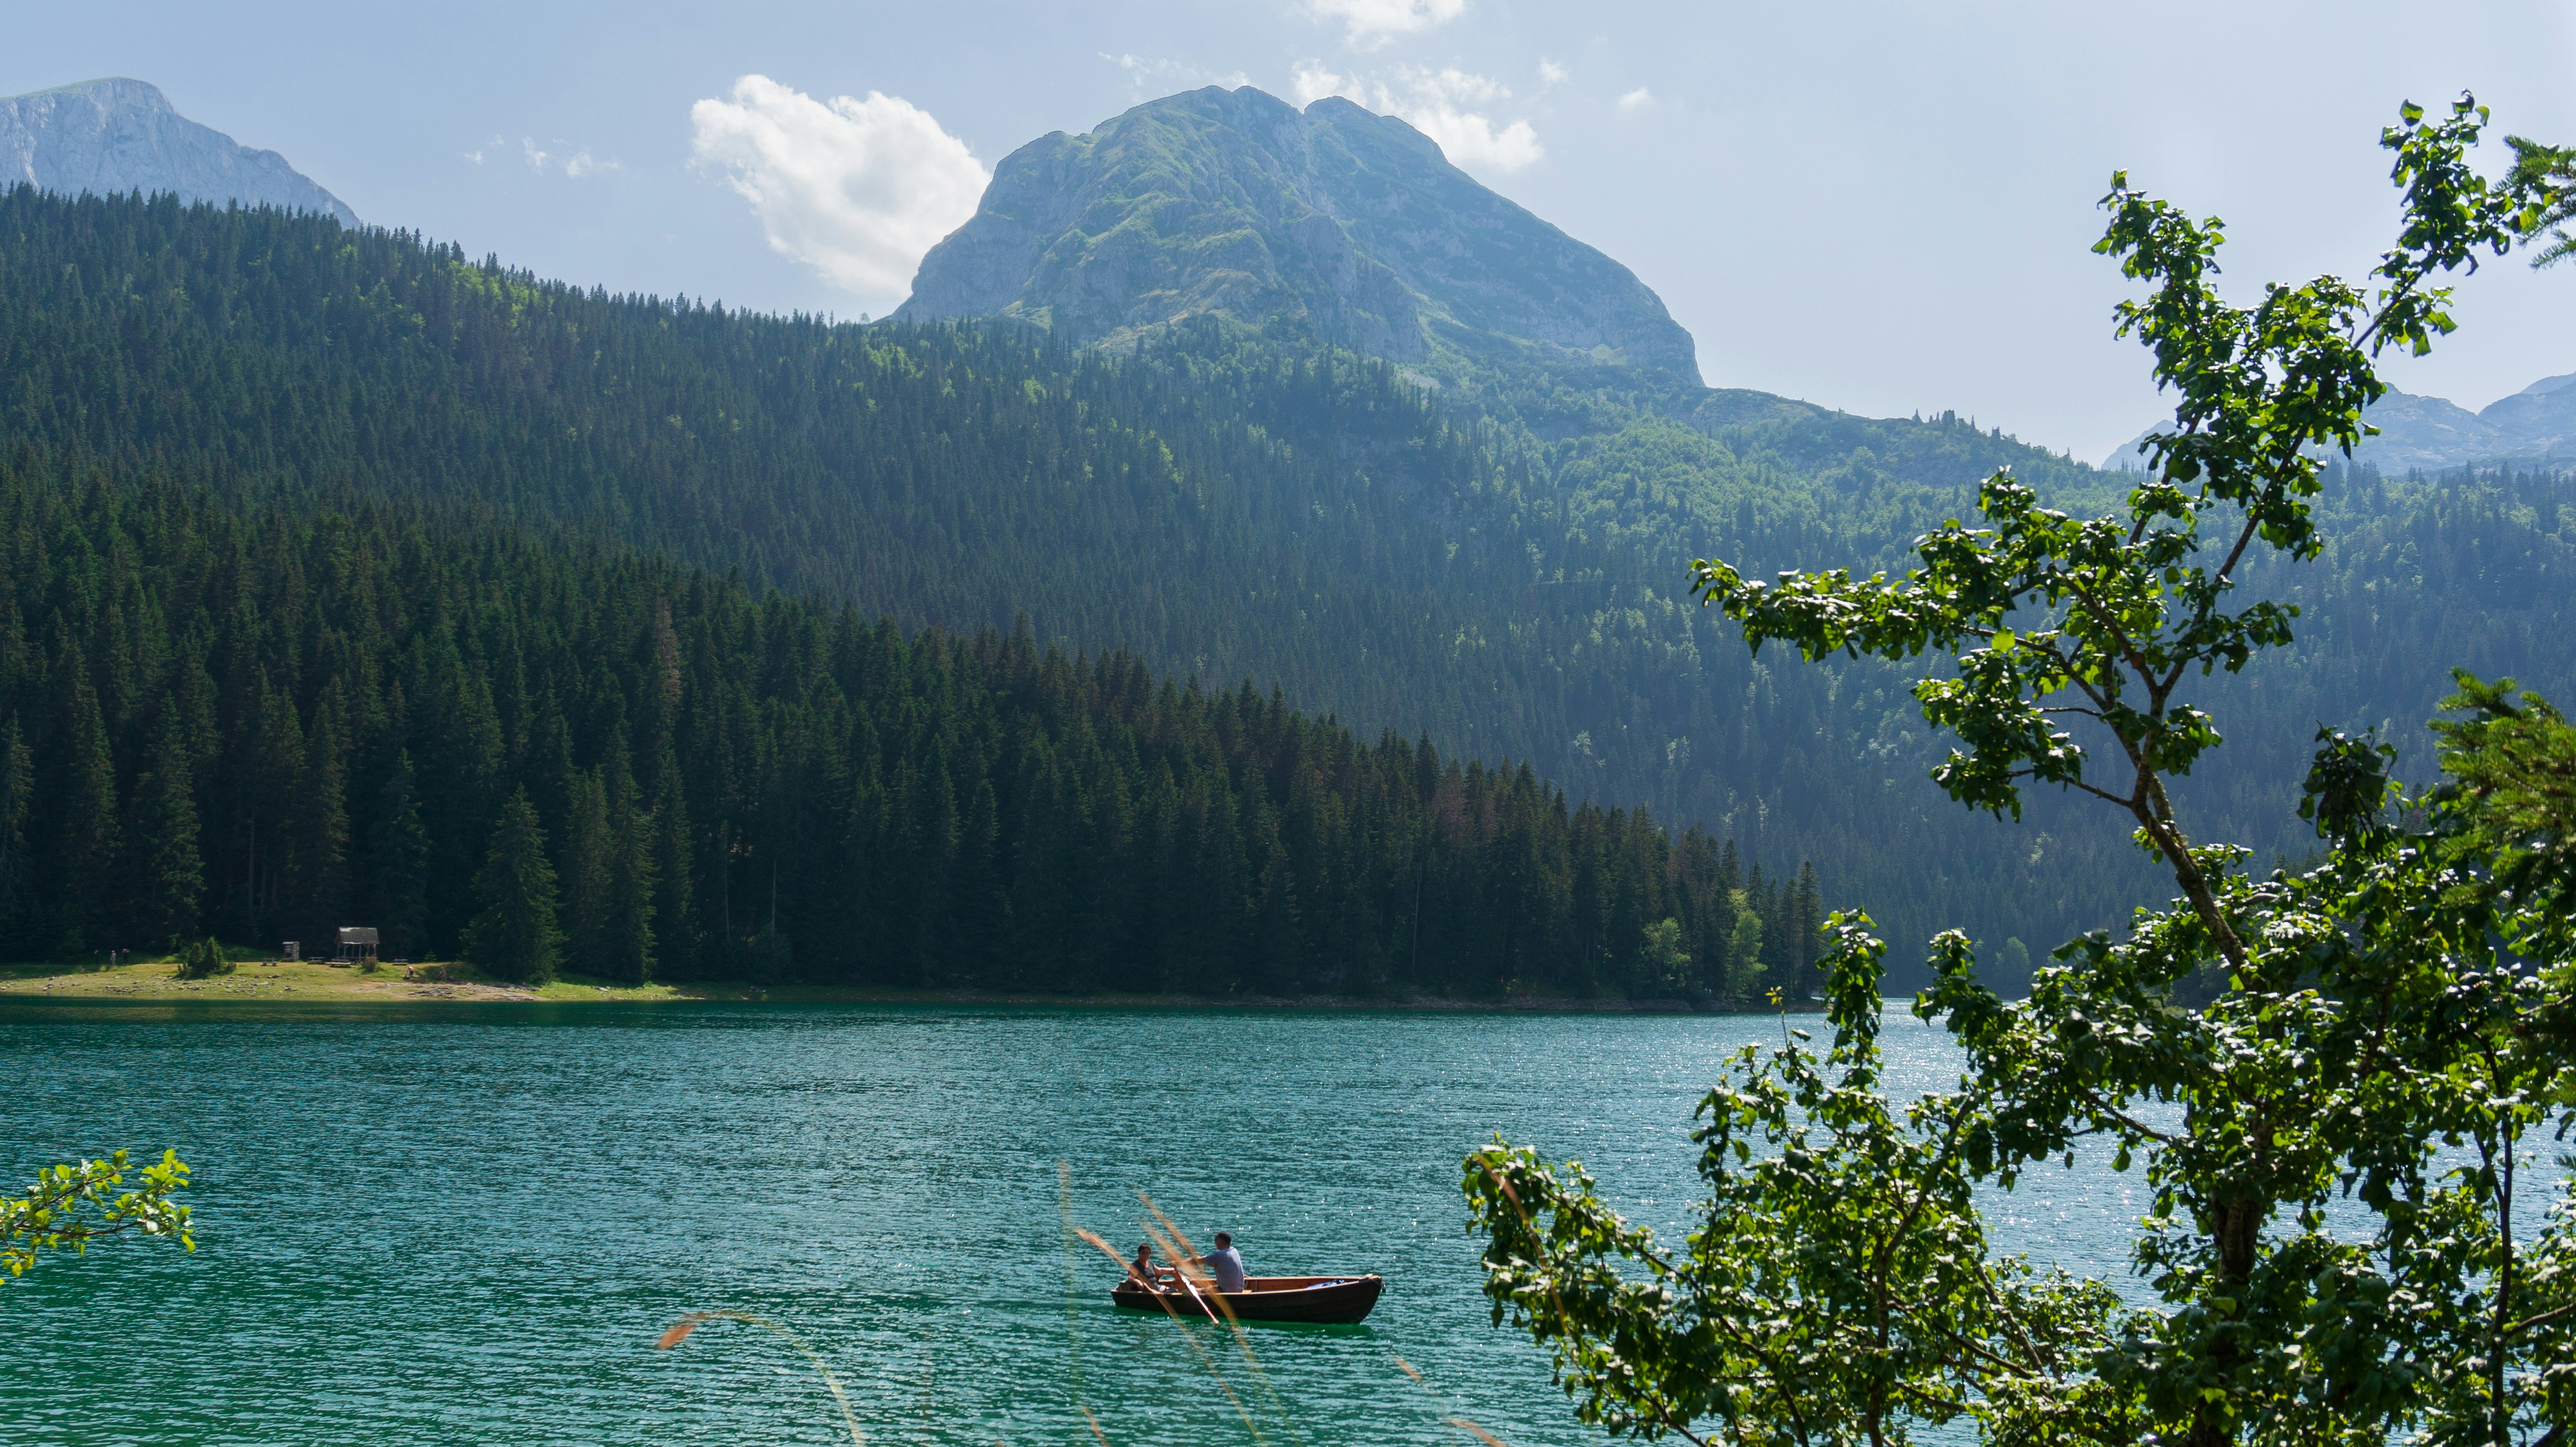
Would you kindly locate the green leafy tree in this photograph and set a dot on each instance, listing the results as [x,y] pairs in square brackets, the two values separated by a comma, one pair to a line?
[514,935]
[2552,168]
[2376,1009]
[2014,964]
[1661,956]
[1744,949]
[71,1206]
[2053,619]
[2515,759]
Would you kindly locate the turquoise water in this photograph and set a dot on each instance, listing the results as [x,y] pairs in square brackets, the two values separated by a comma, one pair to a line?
[468,1223]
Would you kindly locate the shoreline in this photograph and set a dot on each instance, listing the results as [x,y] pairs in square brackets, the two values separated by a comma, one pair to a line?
[308,982]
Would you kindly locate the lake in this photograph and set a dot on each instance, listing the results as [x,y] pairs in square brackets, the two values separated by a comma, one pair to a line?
[447,1223]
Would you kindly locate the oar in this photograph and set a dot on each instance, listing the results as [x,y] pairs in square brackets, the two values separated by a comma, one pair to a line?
[1233,1324]
[1163,1300]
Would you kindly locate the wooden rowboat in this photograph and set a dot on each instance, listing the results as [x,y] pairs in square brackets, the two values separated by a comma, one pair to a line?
[1335,1300]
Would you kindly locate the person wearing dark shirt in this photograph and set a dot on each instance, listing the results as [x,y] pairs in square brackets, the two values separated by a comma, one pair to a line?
[1142,1268]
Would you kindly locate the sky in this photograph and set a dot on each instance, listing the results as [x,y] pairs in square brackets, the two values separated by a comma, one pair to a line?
[1883,208]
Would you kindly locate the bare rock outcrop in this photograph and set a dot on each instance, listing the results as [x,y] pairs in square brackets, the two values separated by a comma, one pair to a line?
[108,137]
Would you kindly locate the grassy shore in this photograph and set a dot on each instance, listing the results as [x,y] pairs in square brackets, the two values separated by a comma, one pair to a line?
[316,981]
[310,980]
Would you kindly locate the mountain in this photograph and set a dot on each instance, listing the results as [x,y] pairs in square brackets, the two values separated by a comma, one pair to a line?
[1331,224]
[1497,567]
[1219,506]
[108,137]
[2534,425]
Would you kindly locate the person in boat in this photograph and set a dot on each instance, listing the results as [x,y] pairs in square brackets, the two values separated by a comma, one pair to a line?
[1223,1264]
[1142,1270]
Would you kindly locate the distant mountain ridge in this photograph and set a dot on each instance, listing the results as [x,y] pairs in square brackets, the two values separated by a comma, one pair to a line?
[2536,424]
[112,136]
[1332,223]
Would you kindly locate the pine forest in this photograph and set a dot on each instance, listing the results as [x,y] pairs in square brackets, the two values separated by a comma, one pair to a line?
[262,726]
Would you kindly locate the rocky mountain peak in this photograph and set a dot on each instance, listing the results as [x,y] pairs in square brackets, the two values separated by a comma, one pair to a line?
[117,135]
[1331,222]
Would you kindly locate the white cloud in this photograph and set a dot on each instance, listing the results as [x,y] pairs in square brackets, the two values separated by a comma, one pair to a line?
[1368,24]
[1162,77]
[575,166]
[1312,83]
[1451,86]
[1438,104]
[1550,73]
[1637,100]
[1473,142]
[856,189]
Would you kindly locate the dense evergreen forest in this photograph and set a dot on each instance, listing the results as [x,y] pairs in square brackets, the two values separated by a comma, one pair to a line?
[268,725]
[1498,569]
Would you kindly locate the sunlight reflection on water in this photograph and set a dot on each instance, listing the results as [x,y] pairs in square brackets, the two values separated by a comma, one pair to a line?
[469,1223]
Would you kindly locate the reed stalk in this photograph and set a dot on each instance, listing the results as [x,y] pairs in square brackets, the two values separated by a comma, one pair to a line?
[1206,1362]
[1242,1342]
[679,1332]
[1448,1414]
[1072,1335]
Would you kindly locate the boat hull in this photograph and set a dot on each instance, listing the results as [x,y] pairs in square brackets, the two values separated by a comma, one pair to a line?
[1323,1300]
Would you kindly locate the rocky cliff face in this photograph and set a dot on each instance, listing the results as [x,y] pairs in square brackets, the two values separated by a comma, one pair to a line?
[111,136]
[1331,222]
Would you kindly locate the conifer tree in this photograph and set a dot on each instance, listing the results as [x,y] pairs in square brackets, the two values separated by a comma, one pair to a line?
[164,875]
[318,849]
[586,866]
[1273,913]
[459,753]
[17,790]
[931,845]
[1806,918]
[985,911]
[514,936]
[85,820]
[674,865]
[396,862]
[275,767]
[626,947]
